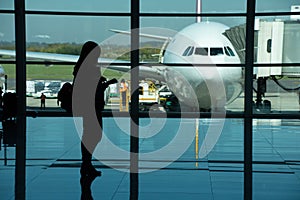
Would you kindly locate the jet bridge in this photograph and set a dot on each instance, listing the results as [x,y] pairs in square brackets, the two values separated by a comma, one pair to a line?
[275,42]
[278,42]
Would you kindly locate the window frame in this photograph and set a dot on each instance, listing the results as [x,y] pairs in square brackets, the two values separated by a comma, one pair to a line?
[20,14]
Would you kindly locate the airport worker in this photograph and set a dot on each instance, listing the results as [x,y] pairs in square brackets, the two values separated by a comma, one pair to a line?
[1,97]
[88,99]
[123,91]
[43,101]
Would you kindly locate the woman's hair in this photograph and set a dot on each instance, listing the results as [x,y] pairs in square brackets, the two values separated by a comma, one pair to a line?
[86,49]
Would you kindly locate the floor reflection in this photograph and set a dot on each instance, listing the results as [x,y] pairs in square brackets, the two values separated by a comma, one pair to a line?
[86,183]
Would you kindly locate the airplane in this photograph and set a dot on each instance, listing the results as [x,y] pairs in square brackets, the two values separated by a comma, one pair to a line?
[203,43]
[196,87]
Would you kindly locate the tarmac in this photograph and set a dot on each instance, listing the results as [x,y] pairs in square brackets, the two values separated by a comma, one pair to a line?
[53,159]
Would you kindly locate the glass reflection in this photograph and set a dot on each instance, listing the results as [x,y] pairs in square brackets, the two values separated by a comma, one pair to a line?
[276,153]
[86,184]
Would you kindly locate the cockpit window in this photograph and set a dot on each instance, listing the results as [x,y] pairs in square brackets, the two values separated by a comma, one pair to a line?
[228,51]
[191,51]
[201,51]
[216,51]
[188,51]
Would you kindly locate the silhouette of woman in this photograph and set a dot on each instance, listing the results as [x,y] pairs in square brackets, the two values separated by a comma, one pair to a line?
[88,96]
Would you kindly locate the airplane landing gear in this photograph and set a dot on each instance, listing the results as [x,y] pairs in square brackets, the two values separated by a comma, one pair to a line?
[261,105]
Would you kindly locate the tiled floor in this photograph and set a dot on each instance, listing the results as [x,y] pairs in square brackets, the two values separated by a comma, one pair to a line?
[53,161]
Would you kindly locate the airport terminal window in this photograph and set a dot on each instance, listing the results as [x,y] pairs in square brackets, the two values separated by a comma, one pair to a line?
[285,105]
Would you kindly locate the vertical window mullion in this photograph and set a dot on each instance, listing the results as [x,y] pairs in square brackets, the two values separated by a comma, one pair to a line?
[248,120]
[134,110]
[20,167]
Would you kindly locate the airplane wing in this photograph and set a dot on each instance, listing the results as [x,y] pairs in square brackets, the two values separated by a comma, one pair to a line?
[43,56]
[145,71]
[150,36]
[56,57]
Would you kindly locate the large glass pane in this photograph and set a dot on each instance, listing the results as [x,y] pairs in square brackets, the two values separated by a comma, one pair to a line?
[7,4]
[46,79]
[7,173]
[80,5]
[277,40]
[189,6]
[56,38]
[275,5]
[277,86]
[180,44]
[278,93]
[276,155]
[170,88]
[70,29]
[178,23]
[9,84]
[183,158]
[177,34]
[7,151]
[7,35]
[53,161]
[49,80]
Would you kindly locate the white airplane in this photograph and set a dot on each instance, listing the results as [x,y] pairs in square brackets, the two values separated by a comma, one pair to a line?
[203,43]
[196,87]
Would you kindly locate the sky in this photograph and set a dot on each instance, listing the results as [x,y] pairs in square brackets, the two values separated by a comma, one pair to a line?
[47,28]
